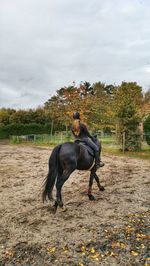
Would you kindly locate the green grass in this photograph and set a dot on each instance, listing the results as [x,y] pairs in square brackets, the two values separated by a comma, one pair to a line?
[108,140]
[113,149]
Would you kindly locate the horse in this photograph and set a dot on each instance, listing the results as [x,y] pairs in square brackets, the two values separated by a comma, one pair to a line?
[64,159]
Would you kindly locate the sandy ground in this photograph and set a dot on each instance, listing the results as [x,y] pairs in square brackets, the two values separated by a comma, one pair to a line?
[112,230]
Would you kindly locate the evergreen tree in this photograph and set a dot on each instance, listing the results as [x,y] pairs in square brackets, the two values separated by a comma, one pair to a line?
[128,100]
[147,129]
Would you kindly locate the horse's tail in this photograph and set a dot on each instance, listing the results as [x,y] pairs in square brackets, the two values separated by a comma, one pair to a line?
[52,174]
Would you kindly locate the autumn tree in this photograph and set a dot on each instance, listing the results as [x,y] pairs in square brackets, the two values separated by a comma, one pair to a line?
[5,115]
[28,116]
[67,100]
[146,104]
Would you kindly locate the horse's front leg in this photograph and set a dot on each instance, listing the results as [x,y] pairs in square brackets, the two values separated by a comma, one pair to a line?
[101,188]
[91,197]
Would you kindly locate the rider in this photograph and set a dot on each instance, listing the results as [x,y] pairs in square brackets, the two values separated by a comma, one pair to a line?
[81,132]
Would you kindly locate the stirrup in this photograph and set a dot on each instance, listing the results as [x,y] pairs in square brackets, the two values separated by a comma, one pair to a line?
[97,165]
[101,164]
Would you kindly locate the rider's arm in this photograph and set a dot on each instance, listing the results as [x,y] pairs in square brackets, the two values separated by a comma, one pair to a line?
[87,132]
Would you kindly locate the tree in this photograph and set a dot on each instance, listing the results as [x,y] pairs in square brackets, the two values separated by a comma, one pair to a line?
[5,115]
[94,102]
[100,114]
[146,104]
[128,102]
[51,108]
[67,100]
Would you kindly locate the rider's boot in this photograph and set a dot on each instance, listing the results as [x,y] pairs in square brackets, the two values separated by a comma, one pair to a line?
[101,164]
[98,162]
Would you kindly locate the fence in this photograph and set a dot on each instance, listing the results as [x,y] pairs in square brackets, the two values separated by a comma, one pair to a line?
[110,140]
[56,138]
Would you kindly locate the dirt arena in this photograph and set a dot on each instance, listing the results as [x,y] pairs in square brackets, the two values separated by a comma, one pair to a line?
[112,230]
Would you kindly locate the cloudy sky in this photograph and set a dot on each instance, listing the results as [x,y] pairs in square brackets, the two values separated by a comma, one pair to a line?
[47,44]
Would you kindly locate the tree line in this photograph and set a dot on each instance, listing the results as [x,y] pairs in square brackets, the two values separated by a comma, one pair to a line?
[103,107]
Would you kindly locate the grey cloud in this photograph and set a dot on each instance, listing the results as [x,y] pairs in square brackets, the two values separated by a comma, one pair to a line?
[47,44]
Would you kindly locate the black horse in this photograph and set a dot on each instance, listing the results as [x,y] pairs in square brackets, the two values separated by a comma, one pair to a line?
[64,159]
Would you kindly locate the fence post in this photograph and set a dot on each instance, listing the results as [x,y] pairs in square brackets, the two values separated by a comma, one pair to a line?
[123,141]
[34,138]
[52,126]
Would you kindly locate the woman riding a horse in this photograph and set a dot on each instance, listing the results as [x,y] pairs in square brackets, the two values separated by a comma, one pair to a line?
[69,156]
[81,132]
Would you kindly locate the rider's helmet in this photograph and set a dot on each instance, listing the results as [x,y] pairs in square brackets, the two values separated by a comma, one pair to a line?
[76,115]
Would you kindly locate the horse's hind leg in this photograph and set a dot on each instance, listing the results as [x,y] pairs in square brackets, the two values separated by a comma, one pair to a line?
[56,203]
[91,197]
[60,181]
[101,188]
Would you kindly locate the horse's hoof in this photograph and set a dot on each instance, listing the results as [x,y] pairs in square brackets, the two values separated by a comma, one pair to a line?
[60,204]
[91,197]
[50,198]
[54,208]
[63,209]
[101,188]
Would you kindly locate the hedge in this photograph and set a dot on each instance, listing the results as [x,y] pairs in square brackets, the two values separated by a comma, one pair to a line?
[23,129]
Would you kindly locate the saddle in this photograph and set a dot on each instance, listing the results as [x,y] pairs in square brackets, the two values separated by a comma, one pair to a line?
[89,149]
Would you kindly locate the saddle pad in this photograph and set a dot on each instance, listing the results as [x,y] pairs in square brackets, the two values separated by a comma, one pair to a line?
[89,149]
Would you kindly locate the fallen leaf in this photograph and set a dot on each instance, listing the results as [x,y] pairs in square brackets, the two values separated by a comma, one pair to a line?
[113,254]
[96,256]
[92,250]
[83,248]
[134,253]
[51,249]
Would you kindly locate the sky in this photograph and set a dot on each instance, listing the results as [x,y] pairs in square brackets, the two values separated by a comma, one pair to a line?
[48,44]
